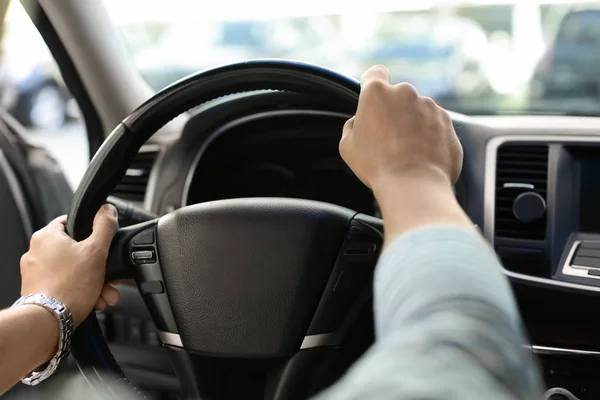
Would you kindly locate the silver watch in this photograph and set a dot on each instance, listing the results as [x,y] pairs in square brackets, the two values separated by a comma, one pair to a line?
[65,322]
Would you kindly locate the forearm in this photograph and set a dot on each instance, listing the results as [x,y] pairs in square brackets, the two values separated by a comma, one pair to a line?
[443,307]
[28,338]
[446,322]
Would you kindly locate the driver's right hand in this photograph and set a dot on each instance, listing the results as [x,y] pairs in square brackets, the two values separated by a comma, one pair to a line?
[396,132]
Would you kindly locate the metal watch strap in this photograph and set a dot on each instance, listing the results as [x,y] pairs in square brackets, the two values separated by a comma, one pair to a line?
[65,322]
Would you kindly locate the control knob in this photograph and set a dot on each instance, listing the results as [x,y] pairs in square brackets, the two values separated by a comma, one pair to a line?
[529,207]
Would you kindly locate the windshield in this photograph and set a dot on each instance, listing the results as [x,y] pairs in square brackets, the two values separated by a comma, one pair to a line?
[483,57]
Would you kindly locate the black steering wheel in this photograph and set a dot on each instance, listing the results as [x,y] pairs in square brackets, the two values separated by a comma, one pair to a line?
[264,285]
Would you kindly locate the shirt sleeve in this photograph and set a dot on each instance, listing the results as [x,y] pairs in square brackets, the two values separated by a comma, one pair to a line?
[446,323]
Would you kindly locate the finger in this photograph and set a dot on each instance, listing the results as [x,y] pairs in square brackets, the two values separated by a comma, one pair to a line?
[375,73]
[58,223]
[100,304]
[110,294]
[105,226]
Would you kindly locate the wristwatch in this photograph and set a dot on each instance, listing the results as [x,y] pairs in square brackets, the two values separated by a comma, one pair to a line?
[65,322]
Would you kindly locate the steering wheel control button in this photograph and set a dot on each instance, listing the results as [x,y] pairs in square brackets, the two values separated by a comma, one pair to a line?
[143,256]
[152,287]
[145,237]
[360,252]
[358,234]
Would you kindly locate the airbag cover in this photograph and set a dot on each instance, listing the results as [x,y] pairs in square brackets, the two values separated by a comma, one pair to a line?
[244,276]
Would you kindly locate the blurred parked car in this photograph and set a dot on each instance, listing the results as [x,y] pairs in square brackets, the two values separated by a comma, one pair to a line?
[32,89]
[35,96]
[570,68]
[443,56]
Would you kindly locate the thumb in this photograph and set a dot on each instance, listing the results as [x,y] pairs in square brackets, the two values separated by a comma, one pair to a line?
[105,226]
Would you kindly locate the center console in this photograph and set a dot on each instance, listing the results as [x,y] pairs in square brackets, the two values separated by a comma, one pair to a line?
[580,261]
[543,212]
[542,215]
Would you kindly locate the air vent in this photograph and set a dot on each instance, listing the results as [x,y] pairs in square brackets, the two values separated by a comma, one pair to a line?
[520,169]
[135,181]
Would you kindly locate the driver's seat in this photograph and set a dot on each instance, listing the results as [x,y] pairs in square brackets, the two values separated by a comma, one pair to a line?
[33,192]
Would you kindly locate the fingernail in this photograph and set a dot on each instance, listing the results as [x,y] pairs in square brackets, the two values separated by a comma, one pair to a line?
[111,209]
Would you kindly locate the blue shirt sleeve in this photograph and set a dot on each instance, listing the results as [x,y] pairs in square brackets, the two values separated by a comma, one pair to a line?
[447,326]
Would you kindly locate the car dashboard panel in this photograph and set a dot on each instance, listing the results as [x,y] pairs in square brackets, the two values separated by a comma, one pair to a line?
[279,155]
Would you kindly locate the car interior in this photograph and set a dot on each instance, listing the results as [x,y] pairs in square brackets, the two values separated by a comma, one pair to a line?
[246,246]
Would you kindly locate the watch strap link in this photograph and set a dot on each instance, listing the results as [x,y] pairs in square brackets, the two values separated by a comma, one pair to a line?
[65,322]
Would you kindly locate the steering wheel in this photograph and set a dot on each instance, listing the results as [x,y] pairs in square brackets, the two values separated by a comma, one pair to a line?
[267,285]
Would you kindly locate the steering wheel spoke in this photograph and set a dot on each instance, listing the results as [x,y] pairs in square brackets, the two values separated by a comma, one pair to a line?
[349,286]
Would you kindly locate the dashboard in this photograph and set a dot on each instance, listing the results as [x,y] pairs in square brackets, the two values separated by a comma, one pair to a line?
[278,154]
[531,184]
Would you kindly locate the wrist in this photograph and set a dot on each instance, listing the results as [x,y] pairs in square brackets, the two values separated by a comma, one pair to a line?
[415,199]
[48,328]
[394,186]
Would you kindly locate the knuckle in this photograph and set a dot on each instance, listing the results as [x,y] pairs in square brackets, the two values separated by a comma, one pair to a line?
[25,258]
[379,67]
[446,116]
[342,147]
[37,237]
[429,102]
[348,126]
[407,90]
[374,86]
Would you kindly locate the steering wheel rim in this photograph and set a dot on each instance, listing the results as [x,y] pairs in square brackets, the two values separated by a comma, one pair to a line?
[110,162]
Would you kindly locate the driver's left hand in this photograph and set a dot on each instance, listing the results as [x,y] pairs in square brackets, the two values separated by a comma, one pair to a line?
[72,272]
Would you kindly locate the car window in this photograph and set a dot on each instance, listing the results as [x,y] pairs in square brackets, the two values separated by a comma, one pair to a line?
[33,91]
[476,57]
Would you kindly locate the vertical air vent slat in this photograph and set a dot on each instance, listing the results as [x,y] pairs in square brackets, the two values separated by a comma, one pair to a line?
[134,183]
[519,164]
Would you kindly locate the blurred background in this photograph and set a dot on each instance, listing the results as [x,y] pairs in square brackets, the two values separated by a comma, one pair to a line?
[475,57]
